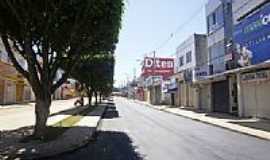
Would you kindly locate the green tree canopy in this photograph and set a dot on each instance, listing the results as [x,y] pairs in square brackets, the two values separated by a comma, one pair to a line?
[53,34]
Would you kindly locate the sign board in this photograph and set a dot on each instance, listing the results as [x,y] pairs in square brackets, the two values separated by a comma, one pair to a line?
[153,80]
[252,38]
[256,76]
[158,67]
[201,72]
[172,87]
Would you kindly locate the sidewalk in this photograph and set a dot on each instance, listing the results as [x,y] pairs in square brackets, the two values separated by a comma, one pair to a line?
[20,115]
[73,137]
[254,127]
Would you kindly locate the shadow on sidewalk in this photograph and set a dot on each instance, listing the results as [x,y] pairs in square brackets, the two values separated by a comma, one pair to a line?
[74,110]
[222,116]
[109,145]
[259,124]
[19,144]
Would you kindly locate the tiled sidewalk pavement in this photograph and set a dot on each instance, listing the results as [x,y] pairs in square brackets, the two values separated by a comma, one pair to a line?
[74,137]
[20,115]
[253,127]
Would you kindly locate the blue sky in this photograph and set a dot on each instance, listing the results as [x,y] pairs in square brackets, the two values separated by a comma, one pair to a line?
[147,24]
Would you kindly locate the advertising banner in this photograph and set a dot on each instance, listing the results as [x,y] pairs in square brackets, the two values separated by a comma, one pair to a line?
[201,72]
[252,37]
[158,67]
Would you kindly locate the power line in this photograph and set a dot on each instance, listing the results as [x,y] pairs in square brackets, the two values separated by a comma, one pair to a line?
[179,28]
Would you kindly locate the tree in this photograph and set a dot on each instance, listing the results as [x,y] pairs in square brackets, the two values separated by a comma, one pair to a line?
[96,74]
[51,35]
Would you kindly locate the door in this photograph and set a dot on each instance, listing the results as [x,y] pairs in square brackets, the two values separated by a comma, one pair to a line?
[19,93]
[203,100]
[2,89]
[221,97]
[172,99]
[10,93]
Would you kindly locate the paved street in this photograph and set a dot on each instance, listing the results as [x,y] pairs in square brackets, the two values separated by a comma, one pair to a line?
[143,133]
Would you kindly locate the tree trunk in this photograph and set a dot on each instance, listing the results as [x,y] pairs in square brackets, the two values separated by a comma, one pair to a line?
[96,98]
[90,95]
[100,95]
[42,110]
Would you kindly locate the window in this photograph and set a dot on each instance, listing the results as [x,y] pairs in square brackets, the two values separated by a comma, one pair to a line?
[181,61]
[214,19]
[188,57]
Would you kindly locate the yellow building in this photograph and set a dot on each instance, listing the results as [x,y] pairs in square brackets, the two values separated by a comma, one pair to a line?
[13,87]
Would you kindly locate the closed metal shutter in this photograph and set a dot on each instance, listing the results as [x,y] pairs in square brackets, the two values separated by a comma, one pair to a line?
[221,97]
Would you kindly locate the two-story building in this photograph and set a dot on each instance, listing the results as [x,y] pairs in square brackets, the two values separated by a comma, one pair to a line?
[251,39]
[191,63]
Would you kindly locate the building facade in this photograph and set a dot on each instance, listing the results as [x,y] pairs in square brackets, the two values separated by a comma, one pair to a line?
[13,87]
[155,73]
[223,88]
[252,44]
[191,63]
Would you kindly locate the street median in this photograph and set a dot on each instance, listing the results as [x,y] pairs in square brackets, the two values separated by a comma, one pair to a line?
[66,132]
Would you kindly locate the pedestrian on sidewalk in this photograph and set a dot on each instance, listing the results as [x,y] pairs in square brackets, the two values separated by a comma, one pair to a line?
[79,101]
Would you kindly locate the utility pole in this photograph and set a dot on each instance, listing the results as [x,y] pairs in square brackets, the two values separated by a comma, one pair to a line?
[154,68]
[134,74]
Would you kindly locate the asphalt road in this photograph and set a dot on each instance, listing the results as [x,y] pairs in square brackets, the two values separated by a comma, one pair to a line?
[133,132]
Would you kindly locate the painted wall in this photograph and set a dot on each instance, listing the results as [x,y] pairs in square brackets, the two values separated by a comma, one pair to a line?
[196,45]
[252,37]
[242,7]
[185,47]
[219,30]
[256,99]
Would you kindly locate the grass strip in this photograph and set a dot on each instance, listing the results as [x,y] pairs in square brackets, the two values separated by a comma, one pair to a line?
[57,129]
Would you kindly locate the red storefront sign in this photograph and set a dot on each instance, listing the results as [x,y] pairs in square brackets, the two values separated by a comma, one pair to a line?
[158,67]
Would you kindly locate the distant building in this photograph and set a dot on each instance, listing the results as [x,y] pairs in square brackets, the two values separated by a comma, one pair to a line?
[155,72]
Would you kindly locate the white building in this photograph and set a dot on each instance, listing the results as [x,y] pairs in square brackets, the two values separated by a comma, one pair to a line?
[191,65]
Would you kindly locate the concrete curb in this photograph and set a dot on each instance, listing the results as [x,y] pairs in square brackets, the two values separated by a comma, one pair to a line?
[72,147]
[206,122]
[75,146]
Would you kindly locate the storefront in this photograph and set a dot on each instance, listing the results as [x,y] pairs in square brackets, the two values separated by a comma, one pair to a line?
[255,98]
[252,45]
[187,91]
[154,90]
[172,91]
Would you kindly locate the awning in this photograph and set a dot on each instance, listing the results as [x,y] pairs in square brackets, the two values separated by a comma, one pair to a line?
[222,76]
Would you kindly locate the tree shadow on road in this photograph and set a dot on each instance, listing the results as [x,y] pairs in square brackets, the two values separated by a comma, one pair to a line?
[109,145]
[111,112]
